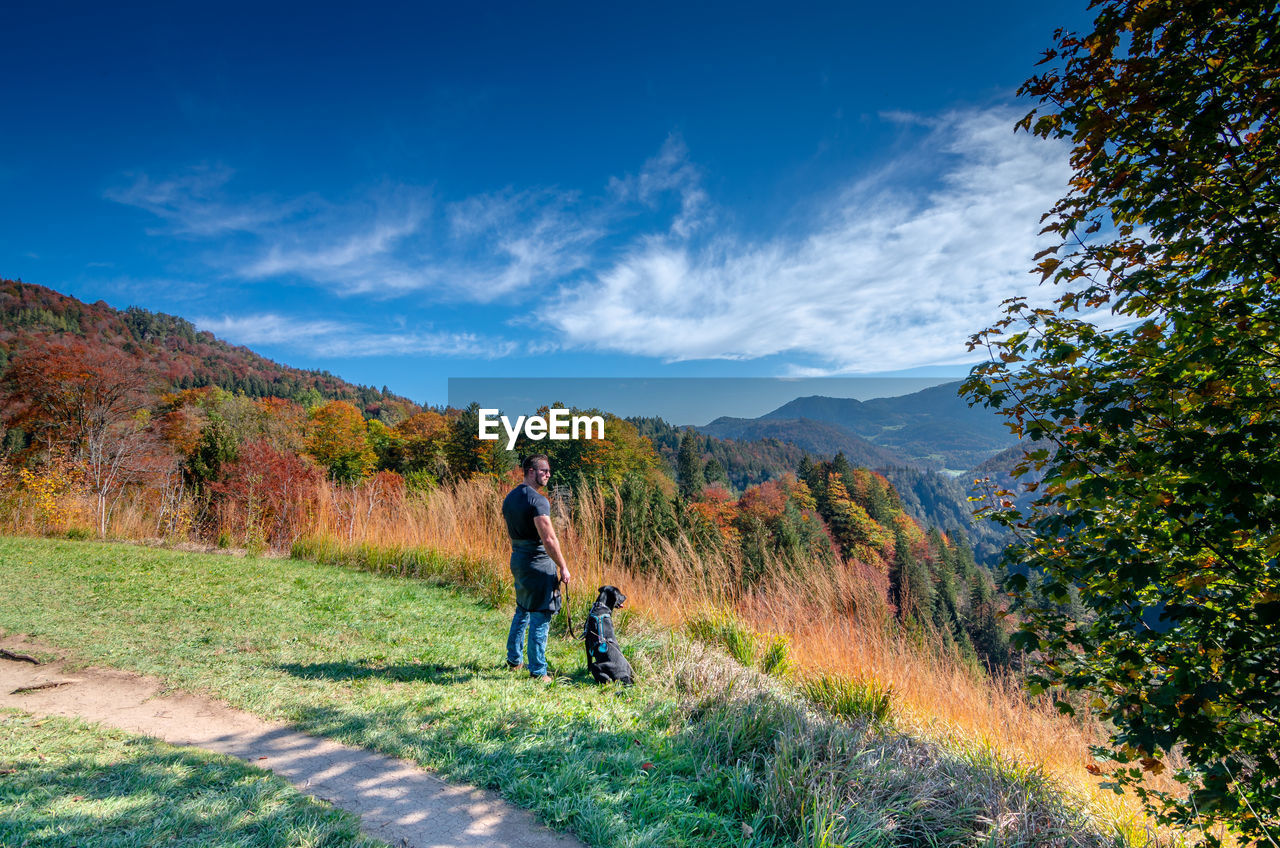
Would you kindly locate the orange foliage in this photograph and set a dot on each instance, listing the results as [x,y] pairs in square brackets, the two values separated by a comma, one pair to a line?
[424,425]
[718,508]
[339,440]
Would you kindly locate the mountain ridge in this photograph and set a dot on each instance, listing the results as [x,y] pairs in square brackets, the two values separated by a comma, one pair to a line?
[182,355]
[932,428]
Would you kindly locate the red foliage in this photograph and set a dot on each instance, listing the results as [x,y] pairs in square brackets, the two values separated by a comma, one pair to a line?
[386,488]
[718,508]
[765,501]
[63,391]
[271,492]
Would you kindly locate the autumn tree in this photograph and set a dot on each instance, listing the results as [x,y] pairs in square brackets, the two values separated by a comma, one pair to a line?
[91,405]
[271,491]
[338,440]
[1149,393]
[466,454]
[422,438]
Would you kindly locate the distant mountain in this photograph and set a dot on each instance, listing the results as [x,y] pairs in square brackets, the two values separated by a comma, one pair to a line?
[816,437]
[181,356]
[932,428]
[912,439]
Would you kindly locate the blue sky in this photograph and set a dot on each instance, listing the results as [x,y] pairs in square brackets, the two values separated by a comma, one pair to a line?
[405,193]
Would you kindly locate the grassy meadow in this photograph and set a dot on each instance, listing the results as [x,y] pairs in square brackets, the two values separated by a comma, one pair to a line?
[68,783]
[705,752]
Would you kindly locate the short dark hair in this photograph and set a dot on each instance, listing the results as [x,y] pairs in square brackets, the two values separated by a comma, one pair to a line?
[527,463]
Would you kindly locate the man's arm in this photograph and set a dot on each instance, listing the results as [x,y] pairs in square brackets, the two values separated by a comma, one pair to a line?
[552,544]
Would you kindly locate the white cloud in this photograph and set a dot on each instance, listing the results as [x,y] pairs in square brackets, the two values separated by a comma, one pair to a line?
[669,172]
[335,339]
[381,244]
[192,203]
[355,247]
[888,276]
[345,255]
[515,239]
[894,271]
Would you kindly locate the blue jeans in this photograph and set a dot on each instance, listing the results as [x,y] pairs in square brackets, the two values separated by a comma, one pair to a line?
[541,624]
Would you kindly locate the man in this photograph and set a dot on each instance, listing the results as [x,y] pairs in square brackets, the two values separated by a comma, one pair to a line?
[537,564]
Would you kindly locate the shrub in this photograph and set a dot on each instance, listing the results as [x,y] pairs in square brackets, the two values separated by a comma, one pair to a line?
[268,493]
[420,480]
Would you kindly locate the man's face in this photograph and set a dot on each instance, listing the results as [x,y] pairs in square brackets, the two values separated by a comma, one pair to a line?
[538,475]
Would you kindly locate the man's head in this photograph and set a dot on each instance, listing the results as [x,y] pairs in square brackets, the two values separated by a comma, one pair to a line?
[537,470]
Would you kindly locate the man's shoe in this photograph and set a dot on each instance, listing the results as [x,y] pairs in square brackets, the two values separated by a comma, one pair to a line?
[546,678]
[514,666]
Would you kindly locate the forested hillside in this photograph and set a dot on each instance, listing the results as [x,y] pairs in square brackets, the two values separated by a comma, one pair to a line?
[931,498]
[815,437]
[734,462]
[180,356]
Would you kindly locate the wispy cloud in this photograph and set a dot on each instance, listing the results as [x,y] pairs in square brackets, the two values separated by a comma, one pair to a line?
[361,249]
[394,240]
[336,339]
[888,276]
[514,239]
[194,203]
[357,247]
[383,244]
[670,172]
[893,271]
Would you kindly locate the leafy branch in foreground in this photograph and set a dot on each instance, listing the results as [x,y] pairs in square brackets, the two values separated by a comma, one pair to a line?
[1152,392]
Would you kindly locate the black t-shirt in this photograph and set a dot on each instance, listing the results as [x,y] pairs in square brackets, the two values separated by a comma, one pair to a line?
[519,508]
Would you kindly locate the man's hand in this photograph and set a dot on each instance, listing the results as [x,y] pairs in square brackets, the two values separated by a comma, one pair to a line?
[564,575]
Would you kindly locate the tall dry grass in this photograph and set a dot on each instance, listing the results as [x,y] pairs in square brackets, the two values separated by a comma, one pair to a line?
[836,618]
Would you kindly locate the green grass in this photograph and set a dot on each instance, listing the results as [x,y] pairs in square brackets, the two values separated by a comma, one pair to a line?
[849,699]
[414,670]
[67,783]
[725,631]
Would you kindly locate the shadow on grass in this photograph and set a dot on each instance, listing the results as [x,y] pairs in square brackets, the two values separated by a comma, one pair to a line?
[436,673]
[570,773]
[157,796]
[348,671]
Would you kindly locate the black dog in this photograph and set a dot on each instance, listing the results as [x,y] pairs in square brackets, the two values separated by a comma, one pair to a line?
[604,658]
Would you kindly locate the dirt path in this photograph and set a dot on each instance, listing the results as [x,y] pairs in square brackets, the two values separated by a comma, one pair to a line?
[397,801]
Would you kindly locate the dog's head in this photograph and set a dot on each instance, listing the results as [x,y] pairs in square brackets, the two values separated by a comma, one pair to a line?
[611,597]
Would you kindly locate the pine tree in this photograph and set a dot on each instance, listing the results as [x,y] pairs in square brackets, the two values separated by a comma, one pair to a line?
[689,466]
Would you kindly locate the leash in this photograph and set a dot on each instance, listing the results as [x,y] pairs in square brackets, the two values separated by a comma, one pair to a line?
[568,616]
